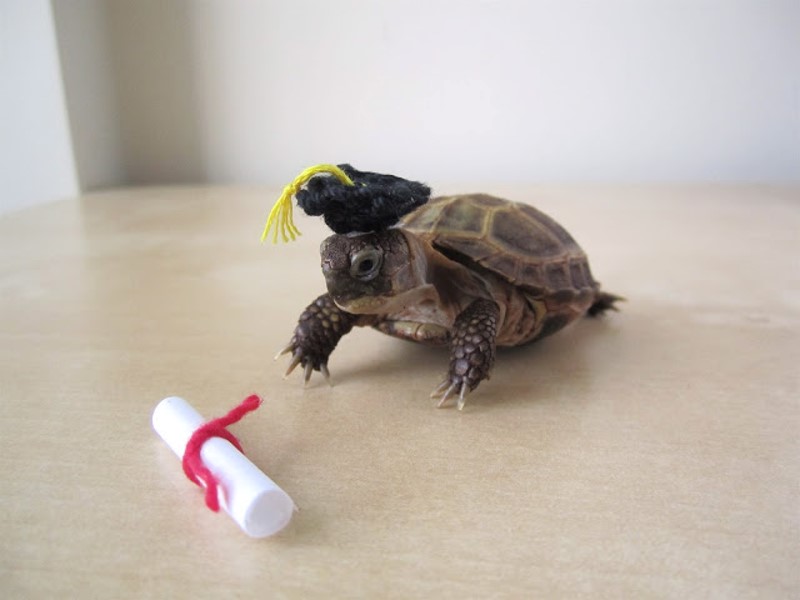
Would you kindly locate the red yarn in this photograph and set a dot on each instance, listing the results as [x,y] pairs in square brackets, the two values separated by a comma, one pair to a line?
[193,465]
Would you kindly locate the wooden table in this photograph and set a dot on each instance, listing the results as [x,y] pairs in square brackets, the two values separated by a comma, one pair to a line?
[651,453]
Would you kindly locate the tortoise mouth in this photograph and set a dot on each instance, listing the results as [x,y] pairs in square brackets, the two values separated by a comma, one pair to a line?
[363,305]
[387,304]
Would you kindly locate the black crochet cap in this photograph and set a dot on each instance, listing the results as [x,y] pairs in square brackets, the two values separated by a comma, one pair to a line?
[374,203]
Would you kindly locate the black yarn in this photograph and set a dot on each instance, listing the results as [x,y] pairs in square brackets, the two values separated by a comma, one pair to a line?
[374,203]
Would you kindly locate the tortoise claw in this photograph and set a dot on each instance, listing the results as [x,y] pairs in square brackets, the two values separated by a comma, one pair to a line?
[307,370]
[448,389]
[318,330]
[296,360]
[462,395]
[301,359]
[440,388]
[285,350]
[441,392]
[327,374]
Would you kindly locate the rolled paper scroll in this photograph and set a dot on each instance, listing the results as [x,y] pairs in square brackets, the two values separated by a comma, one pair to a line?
[252,499]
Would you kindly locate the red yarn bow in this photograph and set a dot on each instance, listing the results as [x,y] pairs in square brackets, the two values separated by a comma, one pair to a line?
[193,465]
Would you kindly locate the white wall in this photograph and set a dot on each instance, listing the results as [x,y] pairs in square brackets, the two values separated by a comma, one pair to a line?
[89,87]
[470,90]
[36,163]
[467,90]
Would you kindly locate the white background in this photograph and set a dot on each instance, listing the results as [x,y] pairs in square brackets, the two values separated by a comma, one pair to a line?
[237,91]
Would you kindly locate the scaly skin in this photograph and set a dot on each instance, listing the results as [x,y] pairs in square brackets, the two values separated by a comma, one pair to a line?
[319,328]
[412,283]
[472,344]
[472,351]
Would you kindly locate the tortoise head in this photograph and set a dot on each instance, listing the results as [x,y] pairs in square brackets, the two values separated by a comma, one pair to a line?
[370,273]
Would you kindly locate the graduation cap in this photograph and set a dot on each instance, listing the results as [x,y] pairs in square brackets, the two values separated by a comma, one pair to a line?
[348,200]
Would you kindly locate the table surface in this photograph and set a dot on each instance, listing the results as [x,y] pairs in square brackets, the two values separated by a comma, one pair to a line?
[650,453]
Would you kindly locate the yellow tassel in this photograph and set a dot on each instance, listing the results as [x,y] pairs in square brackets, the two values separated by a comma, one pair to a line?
[281,214]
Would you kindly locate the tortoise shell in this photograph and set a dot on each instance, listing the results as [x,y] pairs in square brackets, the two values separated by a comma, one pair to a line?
[519,243]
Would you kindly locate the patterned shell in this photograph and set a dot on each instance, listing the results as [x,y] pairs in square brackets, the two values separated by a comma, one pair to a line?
[513,240]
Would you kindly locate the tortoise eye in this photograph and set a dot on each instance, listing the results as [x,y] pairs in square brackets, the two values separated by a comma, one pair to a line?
[366,264]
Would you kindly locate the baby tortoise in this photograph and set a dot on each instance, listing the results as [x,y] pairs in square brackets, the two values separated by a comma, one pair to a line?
[469,272]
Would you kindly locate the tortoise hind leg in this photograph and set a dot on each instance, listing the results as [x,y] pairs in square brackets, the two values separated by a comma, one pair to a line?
[472,351]
[603,302]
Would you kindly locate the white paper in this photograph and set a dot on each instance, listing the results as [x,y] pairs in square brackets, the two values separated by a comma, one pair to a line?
[252,499]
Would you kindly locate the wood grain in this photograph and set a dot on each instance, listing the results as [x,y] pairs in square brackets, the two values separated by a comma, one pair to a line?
[651,453]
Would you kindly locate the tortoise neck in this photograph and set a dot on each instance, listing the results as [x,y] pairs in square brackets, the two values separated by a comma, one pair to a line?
[452,280]
[419,261]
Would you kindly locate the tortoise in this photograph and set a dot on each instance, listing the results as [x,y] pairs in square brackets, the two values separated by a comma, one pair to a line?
[470,272]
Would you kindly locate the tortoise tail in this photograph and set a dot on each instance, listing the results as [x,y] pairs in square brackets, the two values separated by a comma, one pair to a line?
[603,302]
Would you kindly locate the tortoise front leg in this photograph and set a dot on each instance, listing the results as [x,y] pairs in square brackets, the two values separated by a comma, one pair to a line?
[319,328]
[472,351]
